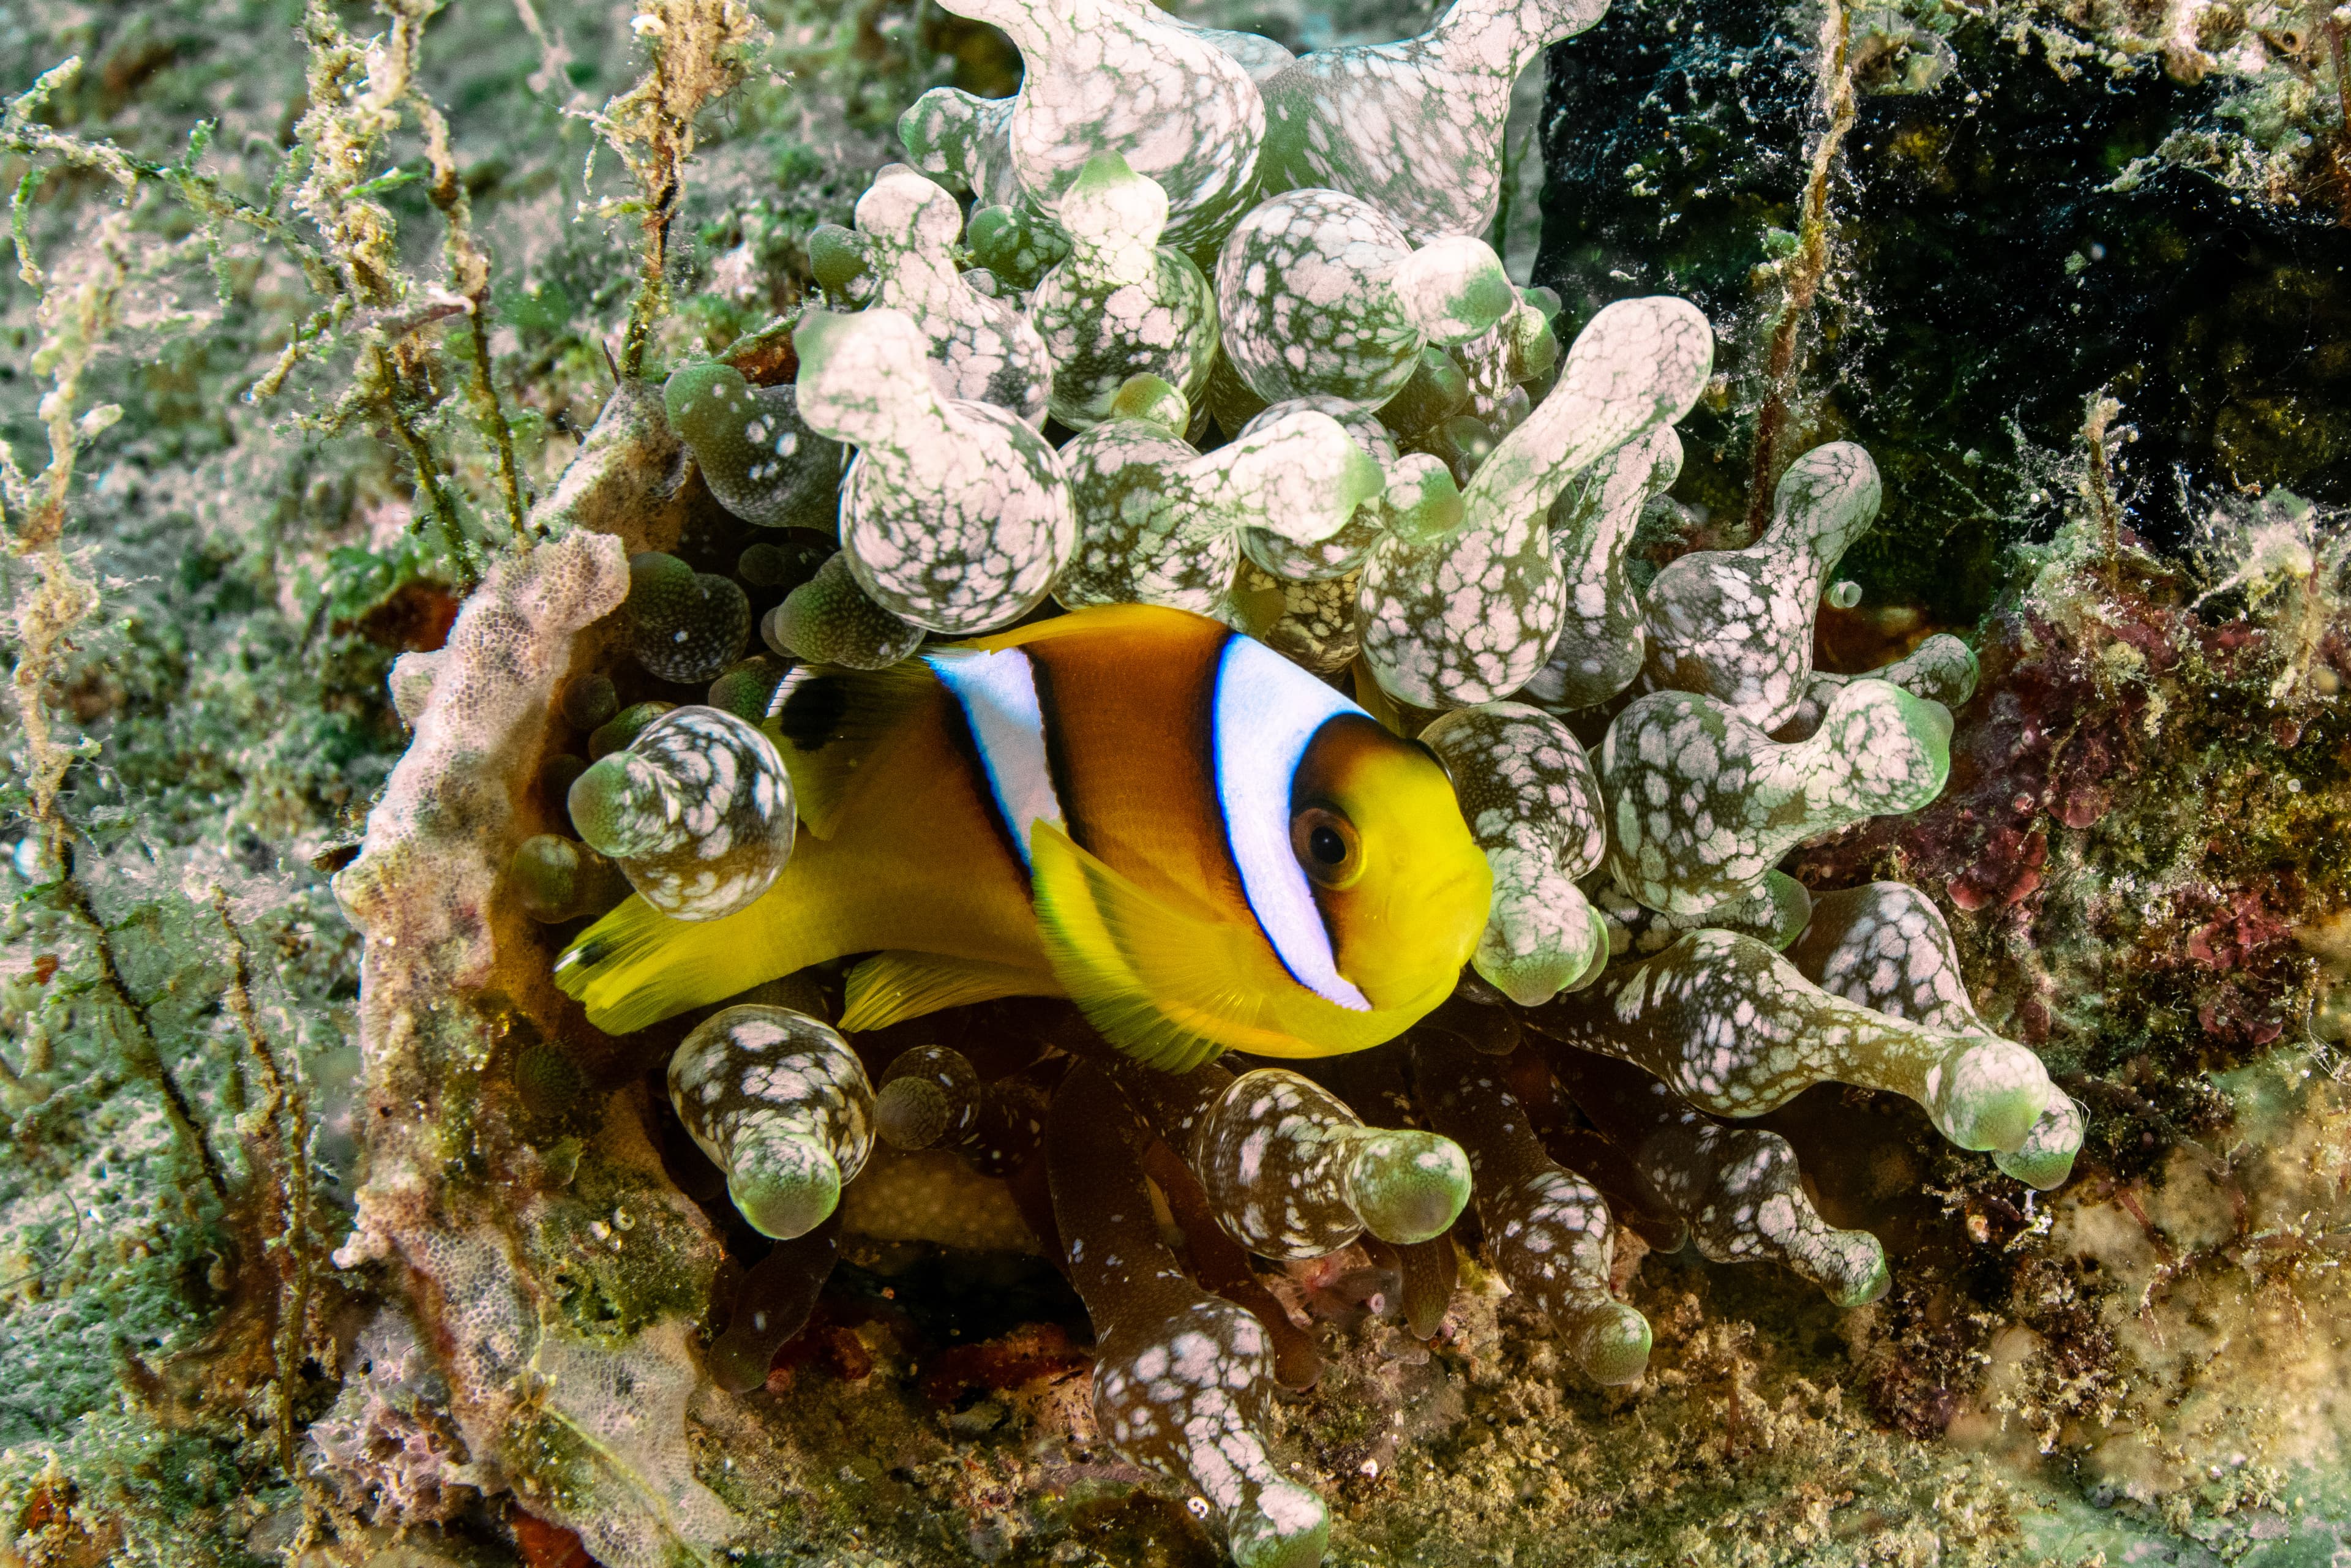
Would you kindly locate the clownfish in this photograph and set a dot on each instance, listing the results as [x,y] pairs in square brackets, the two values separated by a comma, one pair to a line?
[1200,843]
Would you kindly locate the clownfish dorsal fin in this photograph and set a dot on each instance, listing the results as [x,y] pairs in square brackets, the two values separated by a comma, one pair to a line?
[833,725]
[1374,700]
[1146,973]
[897,985]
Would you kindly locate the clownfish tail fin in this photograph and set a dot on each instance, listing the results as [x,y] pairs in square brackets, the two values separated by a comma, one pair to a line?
[637,966]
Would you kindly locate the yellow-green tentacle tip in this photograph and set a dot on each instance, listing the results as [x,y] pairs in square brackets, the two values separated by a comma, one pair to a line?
[1408,1186]
[1284,1526]
[784,1186]
[2045,1158]
[1988,1093]
[1853,1274]
[1611,1344]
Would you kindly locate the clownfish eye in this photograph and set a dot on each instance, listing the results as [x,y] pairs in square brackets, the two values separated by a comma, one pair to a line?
[1326,846]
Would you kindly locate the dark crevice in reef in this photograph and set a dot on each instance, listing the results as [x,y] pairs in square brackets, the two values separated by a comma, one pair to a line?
[2003,245]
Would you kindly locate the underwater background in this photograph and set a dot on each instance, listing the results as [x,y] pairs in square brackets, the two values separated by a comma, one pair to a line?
[316,309]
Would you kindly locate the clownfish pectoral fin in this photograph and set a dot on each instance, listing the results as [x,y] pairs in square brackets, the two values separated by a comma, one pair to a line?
[834,726]
[1153,978]
[889,987]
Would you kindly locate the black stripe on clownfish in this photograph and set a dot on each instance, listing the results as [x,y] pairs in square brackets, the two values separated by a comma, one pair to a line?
[1057,760]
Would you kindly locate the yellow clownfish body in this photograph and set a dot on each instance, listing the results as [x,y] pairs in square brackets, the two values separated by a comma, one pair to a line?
[1201,844]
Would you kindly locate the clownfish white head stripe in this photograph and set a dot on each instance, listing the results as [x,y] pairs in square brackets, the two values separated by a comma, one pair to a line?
[1265,713]
[998,693]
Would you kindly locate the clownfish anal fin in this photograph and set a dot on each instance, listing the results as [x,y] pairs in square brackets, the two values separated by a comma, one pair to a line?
[833,725]
[893,986]
[1154,980]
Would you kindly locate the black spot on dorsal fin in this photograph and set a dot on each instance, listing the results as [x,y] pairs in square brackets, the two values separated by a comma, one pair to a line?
[812,711]
[831,723]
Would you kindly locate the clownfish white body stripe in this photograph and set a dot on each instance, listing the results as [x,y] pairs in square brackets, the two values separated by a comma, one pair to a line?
[1204,846]
[996,695]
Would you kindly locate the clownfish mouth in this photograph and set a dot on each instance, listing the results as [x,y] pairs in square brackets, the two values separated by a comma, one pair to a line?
[1427,957]
[1411,911]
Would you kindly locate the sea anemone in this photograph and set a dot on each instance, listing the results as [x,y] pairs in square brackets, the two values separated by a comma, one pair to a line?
[1362,445]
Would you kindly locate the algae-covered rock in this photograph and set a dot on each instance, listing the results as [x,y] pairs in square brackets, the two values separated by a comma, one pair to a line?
[607,1453]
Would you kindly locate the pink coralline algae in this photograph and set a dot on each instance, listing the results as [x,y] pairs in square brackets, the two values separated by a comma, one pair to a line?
[2177,746]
